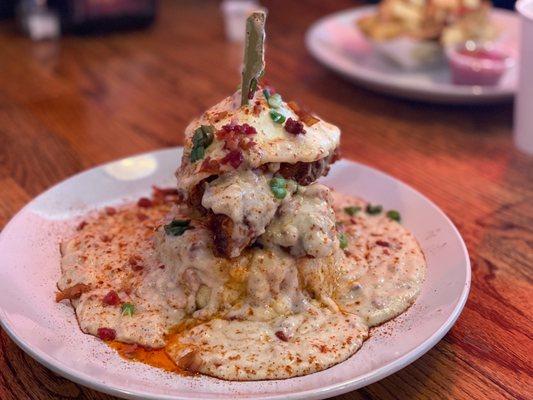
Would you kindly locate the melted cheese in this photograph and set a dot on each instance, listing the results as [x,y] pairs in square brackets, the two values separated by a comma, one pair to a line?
[273,143]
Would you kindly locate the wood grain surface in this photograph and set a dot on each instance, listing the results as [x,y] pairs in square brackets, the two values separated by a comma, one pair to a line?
[69,105]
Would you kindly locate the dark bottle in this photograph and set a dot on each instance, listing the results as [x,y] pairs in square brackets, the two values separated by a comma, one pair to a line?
[102,16]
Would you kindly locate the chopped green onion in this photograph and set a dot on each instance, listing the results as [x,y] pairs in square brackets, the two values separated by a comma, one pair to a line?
[178,227]
[394,215]
[352,210]
[343,241]
[277,117]
[266,93]
[202,138]
[373,209]
[279,187]
[128,309]
[197,153]
[278,182]
[279,193]
[275,100]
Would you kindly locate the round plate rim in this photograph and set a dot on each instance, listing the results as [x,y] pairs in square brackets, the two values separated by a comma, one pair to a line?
[383,83]
[322,393]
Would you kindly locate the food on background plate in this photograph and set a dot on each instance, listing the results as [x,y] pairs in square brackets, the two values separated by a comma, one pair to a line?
[413,32]
[249,269]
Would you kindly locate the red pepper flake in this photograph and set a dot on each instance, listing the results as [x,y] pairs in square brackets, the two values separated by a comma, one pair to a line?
[144,202]
[161,266]
[142,217]
[210,165]
[233,158]
[111,298]
[294,127]
[105,238]
[82,225]
[135,263]
[382,243]
[110,210]
[281,336]
[106,333]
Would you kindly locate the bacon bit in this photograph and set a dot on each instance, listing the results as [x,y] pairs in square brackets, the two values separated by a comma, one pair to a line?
[105,238]
[110,210]
[236,136]
[135,263]
[382,243]
[305,116]
[210,165]
[233,158]
[73,292]
[294,127]
[190,362]
[281,336]
[111,298]
[144,202]
[142,217]
[106,333]
[82,225]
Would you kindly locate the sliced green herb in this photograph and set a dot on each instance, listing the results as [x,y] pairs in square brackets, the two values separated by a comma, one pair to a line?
[277,117]
[202,138]
[374,209]
[352,210]
[394,215]
[275,100]
[128,309]
[266,92]
[178,227]
[343,241]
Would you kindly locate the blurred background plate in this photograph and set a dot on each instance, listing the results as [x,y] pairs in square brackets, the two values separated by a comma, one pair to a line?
[337,43]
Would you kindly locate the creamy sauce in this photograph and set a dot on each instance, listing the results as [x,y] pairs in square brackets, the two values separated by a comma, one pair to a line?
[305,223]
[263,315]
[273,143]
[246,198]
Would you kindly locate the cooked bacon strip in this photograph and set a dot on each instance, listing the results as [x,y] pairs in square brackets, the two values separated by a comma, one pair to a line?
[73,292]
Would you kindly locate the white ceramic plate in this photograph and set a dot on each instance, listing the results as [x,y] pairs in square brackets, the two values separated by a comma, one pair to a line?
[29,269]
[337,43]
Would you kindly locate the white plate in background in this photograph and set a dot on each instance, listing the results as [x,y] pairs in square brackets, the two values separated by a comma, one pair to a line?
[337,42]
[47,331]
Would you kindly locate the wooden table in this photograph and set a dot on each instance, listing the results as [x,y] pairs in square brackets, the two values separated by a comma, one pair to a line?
[70,105]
